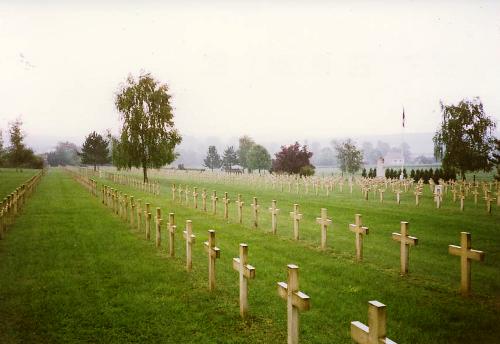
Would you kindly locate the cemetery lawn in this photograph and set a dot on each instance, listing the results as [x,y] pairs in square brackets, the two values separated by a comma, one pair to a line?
[423,307]
[71,271]
[10,179]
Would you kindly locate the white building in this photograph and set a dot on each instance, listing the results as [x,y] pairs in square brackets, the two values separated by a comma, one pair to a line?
[394,159]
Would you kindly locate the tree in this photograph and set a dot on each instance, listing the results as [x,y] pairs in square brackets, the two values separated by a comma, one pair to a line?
[147,137]
[229,158]
[2,153]
[465,138]
[258,158]
[293,159]
[65,153]
[245,144]
[95,150]
[213,159]
[17,154]
[496,158]
[349,157]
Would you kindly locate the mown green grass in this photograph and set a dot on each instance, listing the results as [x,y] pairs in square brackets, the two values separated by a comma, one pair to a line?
[70,271]
[10,179]
[423,307]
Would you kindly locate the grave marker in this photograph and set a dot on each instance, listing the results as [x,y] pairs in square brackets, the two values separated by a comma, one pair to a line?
[214,202]
[324,222]
[466,254]
[296,301]
[296,217]
[358,228]
[190,240]
[239,205]
[274,213]
[158,227]
[213,254]
[226,201]
[375,332]
[246,272]
[406,241]
[255,207]
[171,227]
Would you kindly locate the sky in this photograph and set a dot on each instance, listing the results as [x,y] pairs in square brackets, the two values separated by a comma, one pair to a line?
[281,70]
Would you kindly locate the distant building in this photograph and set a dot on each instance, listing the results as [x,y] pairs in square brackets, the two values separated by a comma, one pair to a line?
[394,159]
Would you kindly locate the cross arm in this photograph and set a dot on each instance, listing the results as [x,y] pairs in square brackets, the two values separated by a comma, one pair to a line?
[476,255]
[454,250]
[212,250]
[191,238]
[359,332]
[283,290]
[301,301]
[248,270]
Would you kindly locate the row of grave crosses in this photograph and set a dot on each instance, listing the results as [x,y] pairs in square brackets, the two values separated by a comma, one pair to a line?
[360,231]
[375,332]
[357,228]
[289,291]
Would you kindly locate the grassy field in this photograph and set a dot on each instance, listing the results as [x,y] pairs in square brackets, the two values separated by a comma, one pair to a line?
[10,179]
[71,271]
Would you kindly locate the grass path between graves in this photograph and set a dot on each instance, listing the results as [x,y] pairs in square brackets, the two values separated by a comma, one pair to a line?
[423,307]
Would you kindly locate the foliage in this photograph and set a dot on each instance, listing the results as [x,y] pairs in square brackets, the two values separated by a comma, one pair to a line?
[496,158]
[363,173]
[95,150]
[245,145]
[229,158]
[349,157]
[17,154]
[258,158]
[65,153]
[148,137]
[290,159]
[465,140]
[213,159]
[2,152]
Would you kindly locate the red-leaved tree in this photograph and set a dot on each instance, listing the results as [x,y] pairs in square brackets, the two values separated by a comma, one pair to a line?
[293,159]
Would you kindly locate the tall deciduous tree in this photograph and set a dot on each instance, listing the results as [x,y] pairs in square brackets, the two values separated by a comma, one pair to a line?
[213,158]
[148,137]
[465,138]
[229,158]
[293,159]
[350,158]
[95,150]
[2,152]
[258,158]
[245,144]
[496,158]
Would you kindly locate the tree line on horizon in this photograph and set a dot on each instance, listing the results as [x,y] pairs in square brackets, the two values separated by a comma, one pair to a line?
[147,139]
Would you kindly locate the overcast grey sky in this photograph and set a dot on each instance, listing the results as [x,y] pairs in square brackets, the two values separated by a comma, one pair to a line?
[281,71]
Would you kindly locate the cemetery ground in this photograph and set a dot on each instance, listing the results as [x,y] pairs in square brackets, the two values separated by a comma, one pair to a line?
[10,179]
[72,271]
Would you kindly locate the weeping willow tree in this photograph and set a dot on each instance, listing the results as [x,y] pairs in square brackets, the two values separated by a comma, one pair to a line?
[147,137]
